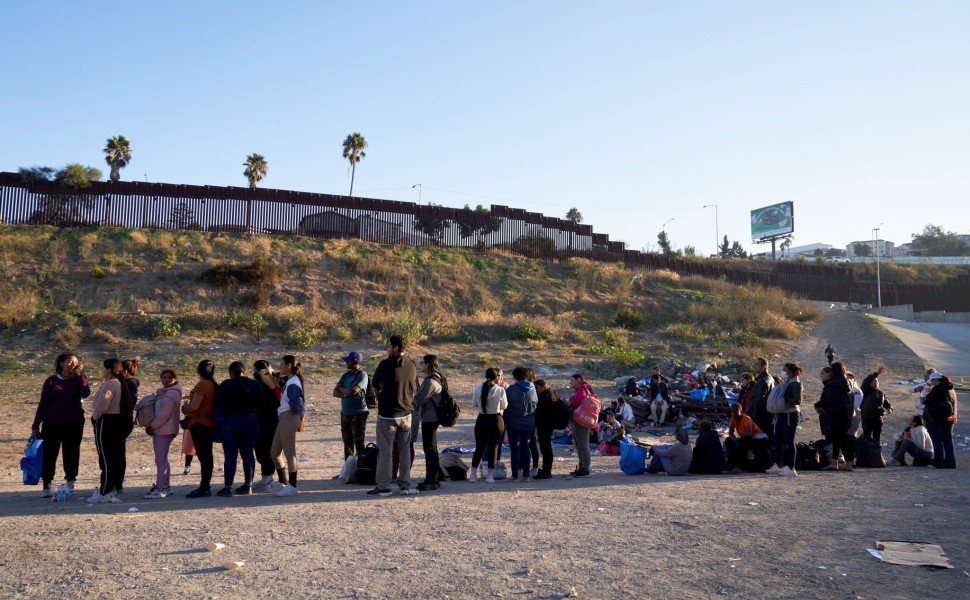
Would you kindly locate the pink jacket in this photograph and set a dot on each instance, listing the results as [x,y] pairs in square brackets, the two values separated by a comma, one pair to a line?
[169,402]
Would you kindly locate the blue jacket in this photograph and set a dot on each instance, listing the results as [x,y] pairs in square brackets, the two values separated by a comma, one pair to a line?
[521,412]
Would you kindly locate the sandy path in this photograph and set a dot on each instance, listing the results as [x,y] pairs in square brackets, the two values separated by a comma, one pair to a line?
[610,536]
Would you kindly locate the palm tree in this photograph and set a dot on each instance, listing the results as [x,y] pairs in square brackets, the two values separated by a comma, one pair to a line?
[256,168]
[576,217]
[354,145]
[117,155]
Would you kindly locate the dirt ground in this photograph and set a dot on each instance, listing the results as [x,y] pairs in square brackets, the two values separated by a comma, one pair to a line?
[609,536]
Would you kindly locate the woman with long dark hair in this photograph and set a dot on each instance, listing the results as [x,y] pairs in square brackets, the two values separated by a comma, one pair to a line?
[269,385]
[59,419]
[490,401]
[426,401]
[940,414]
[129,371]
[580,433]
[291,411]
[200,414]
[835,407]
[164,428]
[109,430]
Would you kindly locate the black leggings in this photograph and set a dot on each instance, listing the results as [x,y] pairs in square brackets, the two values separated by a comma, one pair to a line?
[202,438]
[264,441]
[429,439]
[109,439]
[65,437]
[489,430]
[545,445]
[872,428]
[534,449]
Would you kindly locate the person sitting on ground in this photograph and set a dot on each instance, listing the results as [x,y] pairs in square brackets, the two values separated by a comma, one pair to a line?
[918,445]
[611,432]
[625,414]
[708,456]
[631,389]
[745,441]
[674,459]
[659,399]
[874,405]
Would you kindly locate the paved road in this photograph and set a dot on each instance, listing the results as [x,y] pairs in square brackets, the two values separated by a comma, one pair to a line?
[945,346]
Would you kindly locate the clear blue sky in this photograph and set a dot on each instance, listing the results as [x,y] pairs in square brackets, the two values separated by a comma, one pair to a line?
[634,112]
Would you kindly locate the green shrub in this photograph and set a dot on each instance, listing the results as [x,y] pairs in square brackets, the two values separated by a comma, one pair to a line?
[159,327]
[171,255]
[97,272]
[626,357]
[628,318]
[302,263]
[233,318]
[407,325]
[255,323]
[685,332]
[299,337]
[527,331]
[748,339]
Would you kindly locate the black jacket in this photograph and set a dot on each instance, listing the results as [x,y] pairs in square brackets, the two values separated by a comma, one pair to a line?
[395,380]
[708,458]
[759,397]
[941,403]
[836,404]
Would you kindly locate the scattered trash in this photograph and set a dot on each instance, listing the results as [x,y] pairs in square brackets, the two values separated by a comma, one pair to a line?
[600,509]
[918,505]
[822,568]
[572,593]
[133,509]
[234,566]
[687,526]
[214,546]
[912,554]
[752,504]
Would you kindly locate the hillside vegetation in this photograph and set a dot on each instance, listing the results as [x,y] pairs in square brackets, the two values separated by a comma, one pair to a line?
[119,291]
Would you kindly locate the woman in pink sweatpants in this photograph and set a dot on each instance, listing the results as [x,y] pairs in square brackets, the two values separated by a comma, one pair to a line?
[163,429]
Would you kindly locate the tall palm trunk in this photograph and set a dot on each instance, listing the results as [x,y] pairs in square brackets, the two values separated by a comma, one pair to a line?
[353,171]
[115,173]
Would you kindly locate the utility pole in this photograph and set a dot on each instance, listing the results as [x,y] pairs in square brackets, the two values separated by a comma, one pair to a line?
[417,185]
[875,242]
[717,232]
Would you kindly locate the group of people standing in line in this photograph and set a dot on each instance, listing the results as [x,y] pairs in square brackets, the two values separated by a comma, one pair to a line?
[256,419]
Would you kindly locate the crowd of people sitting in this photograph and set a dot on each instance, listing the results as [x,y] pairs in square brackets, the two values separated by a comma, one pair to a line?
[256,419]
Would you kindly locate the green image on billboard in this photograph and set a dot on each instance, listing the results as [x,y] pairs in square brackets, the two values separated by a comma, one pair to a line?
[777,219]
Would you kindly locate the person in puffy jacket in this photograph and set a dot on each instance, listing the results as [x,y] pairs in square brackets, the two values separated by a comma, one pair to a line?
[874,405]
[835,406]
[520,421]
[163,429]
[940,414]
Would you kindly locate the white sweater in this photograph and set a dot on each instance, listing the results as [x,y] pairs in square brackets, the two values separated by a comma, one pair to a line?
[922,439]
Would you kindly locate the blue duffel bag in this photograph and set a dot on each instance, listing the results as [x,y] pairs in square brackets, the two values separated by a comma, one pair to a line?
[633,458]
[32,461]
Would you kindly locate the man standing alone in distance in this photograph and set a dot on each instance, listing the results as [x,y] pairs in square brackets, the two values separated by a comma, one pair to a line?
[395,380]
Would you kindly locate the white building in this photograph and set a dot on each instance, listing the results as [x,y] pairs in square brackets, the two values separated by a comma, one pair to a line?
[807,250]
[878,248]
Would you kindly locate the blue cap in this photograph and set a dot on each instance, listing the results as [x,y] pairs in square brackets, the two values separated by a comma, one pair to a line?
[353,357]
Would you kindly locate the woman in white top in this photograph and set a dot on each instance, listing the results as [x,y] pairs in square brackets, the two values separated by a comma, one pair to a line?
[291,411]
[489,400]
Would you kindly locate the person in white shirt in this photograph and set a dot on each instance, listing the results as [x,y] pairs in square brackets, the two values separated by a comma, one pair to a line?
[919,446]
[922,389]
[490,402]
[624,412]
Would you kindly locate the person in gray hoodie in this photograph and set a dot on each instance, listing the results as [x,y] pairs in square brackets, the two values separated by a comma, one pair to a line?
[675,458]
[520,421]
[426,401]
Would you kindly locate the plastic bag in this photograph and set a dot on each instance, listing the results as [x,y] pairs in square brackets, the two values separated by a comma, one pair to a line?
[32,461]
[633,458]
[700,394]
[348,472]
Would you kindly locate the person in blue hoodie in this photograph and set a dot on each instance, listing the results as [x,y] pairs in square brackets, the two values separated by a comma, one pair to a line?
[520,421]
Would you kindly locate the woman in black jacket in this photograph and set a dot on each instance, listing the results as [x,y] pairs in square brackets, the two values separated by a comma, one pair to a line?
[874,405]
[940,414]
[545,424]
[835,406]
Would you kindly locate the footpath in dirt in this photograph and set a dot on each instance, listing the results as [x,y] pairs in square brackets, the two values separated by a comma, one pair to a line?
[608,536]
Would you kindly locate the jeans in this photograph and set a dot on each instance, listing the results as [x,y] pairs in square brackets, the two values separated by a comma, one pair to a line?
[920,457]
[239,433]
[581,441]
[352,430]
[520,455]
[784,438]
[942,436]
[202,440]
[429,439]
[489,430]
[545,446]
[65,437]
[395,432]
[109,439]
[264,443]
[163,469]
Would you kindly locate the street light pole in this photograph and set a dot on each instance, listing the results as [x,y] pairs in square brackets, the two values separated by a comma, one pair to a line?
[875,242]
[417,185]
[664,226]
[717,232]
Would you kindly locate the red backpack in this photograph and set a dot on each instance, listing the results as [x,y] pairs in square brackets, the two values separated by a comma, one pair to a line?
[588,412]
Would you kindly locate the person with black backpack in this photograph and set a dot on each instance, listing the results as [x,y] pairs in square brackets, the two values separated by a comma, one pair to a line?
[238,398]
[426,401]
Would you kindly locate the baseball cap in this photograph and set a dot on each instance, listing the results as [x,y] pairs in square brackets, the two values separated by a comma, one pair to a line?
[352,357]
[935,375]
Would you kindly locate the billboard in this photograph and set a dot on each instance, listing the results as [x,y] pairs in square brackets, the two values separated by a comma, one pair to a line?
[771,221]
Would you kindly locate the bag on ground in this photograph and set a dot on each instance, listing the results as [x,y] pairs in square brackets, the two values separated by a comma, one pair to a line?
[633,458]
[452,466]
[367,465]
[868,454]
[146,410]
[348,472]
[807,457]
[500,472]
[32,461]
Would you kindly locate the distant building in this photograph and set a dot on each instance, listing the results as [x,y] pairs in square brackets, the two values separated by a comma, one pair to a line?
[878,247]
[808,250]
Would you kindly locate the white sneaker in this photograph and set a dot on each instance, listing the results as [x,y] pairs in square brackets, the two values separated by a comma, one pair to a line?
[473,476]
[70,485]
[490,479]
[410,492]
[274,486]
[186,470]
[98,497]
[46,493]
[513,479]
[774,470]
[787,472]
[288,490]
[113,498]
[534,471]
[152,494]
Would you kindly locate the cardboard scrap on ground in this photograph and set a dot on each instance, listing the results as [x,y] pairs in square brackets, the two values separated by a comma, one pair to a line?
[913,554]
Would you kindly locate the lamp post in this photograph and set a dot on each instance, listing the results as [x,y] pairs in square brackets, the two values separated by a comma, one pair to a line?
[717,232]
[417,185]
[664,226]
[875,242]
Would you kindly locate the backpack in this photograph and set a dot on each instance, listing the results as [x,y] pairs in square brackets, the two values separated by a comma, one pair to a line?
[807,458]
[447,409]
[370,394]
[146,410]
[560,413]
[868,454]
[367,465]
[32,462]
[587,413]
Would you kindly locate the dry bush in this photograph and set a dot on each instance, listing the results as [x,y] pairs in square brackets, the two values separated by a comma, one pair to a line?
[20,306]
[594,276]
[105,337]
[137,238]
[67,337]
[86,245]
